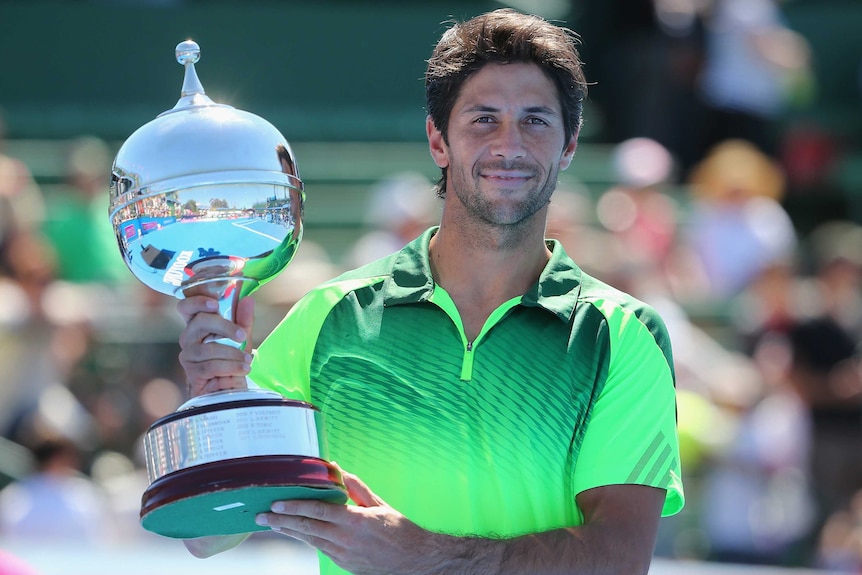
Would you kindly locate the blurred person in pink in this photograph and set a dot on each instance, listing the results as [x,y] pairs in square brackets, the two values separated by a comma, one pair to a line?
[12,565]
[638,209]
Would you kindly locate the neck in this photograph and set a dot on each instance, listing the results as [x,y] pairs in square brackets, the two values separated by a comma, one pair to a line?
[491,267]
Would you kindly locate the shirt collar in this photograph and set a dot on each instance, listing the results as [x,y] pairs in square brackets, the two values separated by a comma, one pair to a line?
[557,290]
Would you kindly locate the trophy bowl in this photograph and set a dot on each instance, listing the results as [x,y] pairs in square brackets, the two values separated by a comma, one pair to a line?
[207,199]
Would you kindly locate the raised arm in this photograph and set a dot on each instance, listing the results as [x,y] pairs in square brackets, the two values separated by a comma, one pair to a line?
[212,367]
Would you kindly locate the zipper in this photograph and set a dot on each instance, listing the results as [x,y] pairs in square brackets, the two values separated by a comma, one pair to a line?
[467,363]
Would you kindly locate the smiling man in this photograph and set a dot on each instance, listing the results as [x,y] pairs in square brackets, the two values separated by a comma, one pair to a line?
[494,408]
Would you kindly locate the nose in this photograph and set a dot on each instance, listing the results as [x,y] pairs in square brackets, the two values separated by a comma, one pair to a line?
[508,141]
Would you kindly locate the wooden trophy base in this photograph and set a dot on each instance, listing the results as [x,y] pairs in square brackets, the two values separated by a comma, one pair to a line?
[223,497]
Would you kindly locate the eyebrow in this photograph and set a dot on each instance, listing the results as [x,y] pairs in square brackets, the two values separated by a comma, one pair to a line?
[530,109]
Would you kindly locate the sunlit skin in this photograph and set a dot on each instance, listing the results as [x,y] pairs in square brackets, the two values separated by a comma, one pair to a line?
[504,151]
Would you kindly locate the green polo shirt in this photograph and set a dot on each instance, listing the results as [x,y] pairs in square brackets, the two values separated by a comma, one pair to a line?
[566,388]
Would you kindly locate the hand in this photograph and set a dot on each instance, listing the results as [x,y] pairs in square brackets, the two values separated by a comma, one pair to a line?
[212,366]
[367,538]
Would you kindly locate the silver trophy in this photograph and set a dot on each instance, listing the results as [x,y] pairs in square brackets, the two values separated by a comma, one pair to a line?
[206,198]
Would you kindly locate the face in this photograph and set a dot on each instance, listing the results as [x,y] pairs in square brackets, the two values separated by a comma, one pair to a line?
[506,144]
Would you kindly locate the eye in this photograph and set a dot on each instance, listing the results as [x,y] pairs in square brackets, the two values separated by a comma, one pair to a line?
[484,120]
[536,121]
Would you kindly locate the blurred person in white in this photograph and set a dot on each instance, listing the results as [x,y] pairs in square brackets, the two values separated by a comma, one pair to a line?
[736,227]
[57,502]
[757,504]
[754,67]
[400,208]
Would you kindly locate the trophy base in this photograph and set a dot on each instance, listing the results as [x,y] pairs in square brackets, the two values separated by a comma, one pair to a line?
[223,497]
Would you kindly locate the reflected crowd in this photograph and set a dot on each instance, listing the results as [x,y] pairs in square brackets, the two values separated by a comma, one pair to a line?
[713,223]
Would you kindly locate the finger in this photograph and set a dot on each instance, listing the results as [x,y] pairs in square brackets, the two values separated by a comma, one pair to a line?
[214,360]
[205,326]
[192,305]
[226,365]
[245,316]
[308,508]
[358,491]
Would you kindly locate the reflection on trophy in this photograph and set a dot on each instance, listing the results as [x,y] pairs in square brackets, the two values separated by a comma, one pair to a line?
[206,198]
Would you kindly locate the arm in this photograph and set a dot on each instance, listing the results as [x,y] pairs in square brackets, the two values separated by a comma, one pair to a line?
[618,536]
[211,367]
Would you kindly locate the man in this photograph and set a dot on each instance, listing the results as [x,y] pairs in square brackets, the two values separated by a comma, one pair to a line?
[495,409]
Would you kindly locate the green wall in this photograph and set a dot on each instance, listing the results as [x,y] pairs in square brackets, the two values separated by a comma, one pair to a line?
[318,70]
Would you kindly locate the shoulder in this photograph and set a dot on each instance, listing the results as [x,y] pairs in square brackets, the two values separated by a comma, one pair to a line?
[625,313]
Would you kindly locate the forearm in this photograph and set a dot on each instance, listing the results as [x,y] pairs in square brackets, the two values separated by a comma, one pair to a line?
[203,547]
[585,550]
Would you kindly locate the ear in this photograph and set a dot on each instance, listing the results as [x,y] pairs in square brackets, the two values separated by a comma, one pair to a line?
[439,150]
[569,151]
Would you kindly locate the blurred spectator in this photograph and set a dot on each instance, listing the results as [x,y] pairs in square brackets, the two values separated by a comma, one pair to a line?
[572,221]
[736,227]
[797,330]
[825,372]
[44,331]
[638,209]
[77,221]
[652,48]
[22,207]
[310,267]
[56,502]
[839,545]
[401,207]
[835,249]
[753,63]
[756,501]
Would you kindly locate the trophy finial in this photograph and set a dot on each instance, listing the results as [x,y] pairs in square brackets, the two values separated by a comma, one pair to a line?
[188,54]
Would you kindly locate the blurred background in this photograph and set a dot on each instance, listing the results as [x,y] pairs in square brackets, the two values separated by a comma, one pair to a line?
[718,178]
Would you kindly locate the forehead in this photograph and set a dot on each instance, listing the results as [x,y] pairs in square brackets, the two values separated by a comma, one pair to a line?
[515,84]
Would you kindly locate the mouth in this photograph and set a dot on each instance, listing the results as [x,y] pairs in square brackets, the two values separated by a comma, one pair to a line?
[507,176]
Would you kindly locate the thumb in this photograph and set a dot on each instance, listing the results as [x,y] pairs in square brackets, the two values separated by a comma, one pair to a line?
[358,492]
[245,318]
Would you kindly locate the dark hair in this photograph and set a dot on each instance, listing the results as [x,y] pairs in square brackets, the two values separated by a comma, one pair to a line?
[503,36]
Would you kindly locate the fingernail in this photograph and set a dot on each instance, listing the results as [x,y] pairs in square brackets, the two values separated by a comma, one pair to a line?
[248,358]
[261,520]
[278,507]
[211,304]
[240,335]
